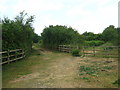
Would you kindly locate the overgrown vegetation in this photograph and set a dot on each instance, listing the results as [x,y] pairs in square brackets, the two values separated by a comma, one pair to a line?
[109,35]
[53,36]
[94,43]
[99,71]
[18,33]
[88,70]
[93,70]
[75,52]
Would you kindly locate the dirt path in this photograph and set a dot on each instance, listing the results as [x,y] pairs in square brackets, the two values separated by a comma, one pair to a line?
[60,74]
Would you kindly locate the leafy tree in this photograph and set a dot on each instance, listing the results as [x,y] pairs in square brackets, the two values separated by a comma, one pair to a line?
[109,34]
[117,40]
[93,43]
[18,33]
[53,36]
[90,36]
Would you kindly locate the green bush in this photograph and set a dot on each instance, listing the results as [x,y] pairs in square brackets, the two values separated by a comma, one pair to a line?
[75,52]
[108,44]
[53,36]
[94,43]
[18,33]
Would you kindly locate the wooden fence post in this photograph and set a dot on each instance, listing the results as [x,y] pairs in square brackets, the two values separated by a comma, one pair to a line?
[108,50]
[118,54]
[83,51]
[70,49]
[8,58]
[77,47]
[59,48]
[94,50]
[23,53]
[16,54]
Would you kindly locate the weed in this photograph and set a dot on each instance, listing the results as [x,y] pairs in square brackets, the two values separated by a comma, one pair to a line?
[81,73]
[85,60]
[75,52]
[88,70]
[106,67]
[83,68]
[91,72]
[85,78]
[117,82]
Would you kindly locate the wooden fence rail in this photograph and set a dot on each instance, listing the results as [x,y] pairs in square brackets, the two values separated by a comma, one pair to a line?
[104,51]
[11,55]
[67,48]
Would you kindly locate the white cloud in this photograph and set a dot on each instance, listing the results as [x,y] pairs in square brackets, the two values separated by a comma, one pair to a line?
[83,15]
[44,21]
[94,20]
[37,5]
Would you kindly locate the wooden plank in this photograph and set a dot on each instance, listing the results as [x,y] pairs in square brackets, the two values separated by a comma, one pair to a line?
[20,53]
[15,50]
[4,62]
[5,57]
[11,55]
[103,46]
[105,50]
[3,52]
[11,60]
[89,53]
[16,58]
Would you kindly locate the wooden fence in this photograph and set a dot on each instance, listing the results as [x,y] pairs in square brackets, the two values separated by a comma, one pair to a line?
[102,51]
[67,48]
[11,55]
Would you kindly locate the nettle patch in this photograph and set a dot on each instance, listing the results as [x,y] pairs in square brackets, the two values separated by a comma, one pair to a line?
[86,72]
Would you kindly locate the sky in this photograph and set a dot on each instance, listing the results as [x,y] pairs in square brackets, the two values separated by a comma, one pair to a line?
[81,15]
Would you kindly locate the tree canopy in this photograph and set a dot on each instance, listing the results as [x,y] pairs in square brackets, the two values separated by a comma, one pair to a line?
[53,36]
[109,34]
[17,33]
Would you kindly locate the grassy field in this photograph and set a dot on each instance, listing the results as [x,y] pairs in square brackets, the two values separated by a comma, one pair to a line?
[48,69]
